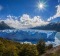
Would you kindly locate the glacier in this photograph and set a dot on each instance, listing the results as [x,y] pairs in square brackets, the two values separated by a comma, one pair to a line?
[29,35]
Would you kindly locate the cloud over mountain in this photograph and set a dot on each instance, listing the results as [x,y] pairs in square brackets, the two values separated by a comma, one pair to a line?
[25,21]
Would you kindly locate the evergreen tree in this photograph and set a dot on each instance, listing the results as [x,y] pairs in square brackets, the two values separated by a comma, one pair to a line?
[41,46]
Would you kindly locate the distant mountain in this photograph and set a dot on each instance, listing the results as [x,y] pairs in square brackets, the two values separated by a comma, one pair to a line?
[51,26]
[4,26]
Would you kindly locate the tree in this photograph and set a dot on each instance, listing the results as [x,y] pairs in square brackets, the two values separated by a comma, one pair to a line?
[28,50]
[49,46]
[41,46]
[2,48]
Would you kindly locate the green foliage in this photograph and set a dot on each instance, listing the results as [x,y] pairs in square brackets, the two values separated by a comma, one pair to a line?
[41,47]
[50,46]
[28,50]
[10,48]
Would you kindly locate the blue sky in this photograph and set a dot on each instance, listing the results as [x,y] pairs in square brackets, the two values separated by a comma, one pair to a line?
[28,13]
[30,7]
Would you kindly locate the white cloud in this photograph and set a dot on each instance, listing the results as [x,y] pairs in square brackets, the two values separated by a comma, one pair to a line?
[25,21]
[1,7]
[26,42]
[58,12]
[56,15]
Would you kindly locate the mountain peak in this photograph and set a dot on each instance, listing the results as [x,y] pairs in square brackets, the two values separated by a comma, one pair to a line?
[3,26]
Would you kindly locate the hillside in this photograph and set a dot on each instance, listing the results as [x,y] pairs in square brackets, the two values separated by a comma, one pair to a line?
[10,48]
[53,52]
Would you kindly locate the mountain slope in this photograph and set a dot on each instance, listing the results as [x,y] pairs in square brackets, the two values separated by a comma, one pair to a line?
[53,52]
[3,26]
[11,48]
[50,26]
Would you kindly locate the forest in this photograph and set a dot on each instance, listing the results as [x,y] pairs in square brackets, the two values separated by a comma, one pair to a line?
[11,48]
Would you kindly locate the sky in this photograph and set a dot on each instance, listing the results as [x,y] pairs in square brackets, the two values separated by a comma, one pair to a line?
[30,7]
[27,13]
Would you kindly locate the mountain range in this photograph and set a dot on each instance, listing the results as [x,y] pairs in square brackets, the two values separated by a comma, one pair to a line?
[51,26]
